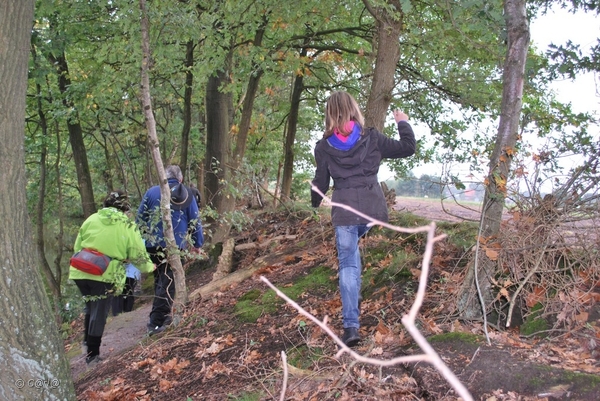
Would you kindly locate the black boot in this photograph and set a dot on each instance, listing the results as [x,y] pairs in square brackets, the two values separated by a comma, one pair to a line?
[93,349]
[351,337]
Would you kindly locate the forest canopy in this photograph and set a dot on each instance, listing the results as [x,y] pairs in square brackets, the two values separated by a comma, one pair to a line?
[238,89]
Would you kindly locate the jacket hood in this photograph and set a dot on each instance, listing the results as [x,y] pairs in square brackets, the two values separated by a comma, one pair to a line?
[110,215]
[353,156]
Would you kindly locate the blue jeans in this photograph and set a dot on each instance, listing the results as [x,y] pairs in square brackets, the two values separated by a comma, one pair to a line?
[346,240]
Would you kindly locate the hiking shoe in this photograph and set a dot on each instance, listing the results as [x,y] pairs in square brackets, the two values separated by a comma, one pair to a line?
[152,330]
[351,337]
[168,321]
[93,360]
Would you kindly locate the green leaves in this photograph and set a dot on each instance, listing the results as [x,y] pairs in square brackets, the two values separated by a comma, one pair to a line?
[448,79]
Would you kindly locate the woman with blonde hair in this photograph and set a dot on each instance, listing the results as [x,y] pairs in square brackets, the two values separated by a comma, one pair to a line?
[350,154]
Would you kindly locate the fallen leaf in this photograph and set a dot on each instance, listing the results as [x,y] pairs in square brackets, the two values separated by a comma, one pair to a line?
[164,385]
[252,356]
[382,328]
[491,254]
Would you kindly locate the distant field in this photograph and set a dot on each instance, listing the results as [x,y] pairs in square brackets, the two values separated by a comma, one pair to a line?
[435,210]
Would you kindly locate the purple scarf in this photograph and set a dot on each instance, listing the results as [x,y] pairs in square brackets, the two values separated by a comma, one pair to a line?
[337,140]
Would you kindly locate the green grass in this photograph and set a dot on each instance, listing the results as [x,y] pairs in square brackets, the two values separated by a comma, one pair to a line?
[255,303]
[462,235]
[407,220]
[467,338]
[303,357]
[534,323]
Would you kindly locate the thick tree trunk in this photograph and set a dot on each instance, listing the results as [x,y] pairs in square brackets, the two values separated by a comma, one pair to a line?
[84,178]
[499,167]
[33,365]
[173,254]
[217,136]
[222,160]
[389,27]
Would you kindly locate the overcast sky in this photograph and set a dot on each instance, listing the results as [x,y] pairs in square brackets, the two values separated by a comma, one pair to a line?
[583,29]
[583,93]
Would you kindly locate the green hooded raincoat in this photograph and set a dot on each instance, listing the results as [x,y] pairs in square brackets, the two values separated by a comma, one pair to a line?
[111,232]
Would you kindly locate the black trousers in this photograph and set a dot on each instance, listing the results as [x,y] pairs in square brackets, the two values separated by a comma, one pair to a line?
[96,312]
[164,287]
[124,302]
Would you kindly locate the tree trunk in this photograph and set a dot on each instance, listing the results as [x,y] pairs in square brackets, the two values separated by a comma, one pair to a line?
[52,281]
[107,174]
[187,107]
[173,254]
[84,179]
[277,185]
[31,349]
[217,136]
[493,205]
[290,137]
[389,27]
[200,183]
[221,160]
[249,97]
[60,237]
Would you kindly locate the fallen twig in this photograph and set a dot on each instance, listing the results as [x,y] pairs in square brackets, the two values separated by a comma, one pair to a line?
[408,320]
[253,245]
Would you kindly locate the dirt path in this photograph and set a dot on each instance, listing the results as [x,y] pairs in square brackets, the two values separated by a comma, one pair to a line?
[122,332]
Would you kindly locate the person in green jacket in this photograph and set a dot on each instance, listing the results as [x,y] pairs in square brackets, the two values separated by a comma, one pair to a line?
[112,233]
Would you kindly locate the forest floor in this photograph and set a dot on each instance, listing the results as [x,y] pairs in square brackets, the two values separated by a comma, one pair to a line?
[214,355]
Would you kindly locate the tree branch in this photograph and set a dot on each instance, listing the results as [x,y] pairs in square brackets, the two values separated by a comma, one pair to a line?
[408,320]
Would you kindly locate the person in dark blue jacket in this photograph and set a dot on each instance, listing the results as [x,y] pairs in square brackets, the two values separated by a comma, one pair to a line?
[187,229]
[350,154]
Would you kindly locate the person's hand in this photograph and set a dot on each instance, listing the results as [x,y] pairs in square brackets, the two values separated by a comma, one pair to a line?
[399,115]
[198,254]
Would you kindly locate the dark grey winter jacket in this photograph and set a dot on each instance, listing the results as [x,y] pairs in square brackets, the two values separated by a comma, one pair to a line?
[354,173]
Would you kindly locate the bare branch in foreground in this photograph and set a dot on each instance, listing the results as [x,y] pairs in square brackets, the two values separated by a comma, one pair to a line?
[408,320]
[285,375]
